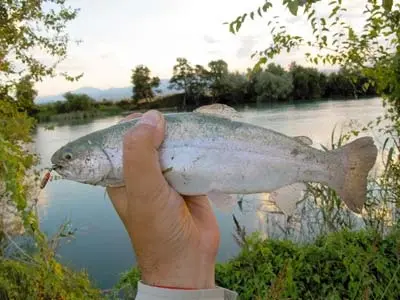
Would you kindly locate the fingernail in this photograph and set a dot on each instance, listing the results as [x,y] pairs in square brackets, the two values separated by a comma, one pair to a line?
[152,118]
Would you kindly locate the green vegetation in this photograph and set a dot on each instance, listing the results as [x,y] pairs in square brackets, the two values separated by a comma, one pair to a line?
[143,83]
[28,267]
[214,84]
[79,106]
[341,265]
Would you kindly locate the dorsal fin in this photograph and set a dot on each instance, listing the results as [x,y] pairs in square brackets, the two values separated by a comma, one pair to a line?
[304,140]
[219,110]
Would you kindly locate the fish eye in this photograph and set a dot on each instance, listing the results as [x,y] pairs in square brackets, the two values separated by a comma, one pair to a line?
[67,155]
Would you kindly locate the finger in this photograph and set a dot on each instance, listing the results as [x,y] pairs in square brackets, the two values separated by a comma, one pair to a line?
[200,208]
[142,171]
[119,200]
[203,215]
[130,117]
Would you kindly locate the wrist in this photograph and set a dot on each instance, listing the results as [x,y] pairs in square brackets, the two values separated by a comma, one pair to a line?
[193,274]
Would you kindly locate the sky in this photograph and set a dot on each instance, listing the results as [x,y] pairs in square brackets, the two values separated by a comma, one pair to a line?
[120,34]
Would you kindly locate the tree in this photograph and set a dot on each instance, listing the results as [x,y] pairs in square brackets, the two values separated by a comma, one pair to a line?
[183,78]
[271,87]
[235,86]
[74,102]
[218,69]
[306,82]
[143,84]
[25,95]
[276,69]
[201,82]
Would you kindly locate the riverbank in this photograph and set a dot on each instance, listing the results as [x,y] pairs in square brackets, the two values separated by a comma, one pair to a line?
[47,113]
[53,112]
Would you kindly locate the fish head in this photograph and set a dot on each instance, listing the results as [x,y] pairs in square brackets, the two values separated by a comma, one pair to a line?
[82,162]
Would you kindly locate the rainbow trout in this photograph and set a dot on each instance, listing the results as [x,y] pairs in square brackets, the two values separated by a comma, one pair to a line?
[208,151]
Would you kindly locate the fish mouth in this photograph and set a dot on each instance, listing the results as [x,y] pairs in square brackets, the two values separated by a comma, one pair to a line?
[59,169]
[56,167]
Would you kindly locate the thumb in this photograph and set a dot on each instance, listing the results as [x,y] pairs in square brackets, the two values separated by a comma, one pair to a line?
[142,172]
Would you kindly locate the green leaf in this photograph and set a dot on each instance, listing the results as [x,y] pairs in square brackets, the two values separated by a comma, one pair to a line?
[387,4]
[238,25]
[252,15]
[293,7]
[231,29]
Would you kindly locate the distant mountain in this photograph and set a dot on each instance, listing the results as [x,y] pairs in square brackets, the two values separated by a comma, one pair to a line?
[113,94]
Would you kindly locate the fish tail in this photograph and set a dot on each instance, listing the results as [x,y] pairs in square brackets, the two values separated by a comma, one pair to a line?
[358,158]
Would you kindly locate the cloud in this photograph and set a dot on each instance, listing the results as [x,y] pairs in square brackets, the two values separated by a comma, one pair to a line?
[210,40]
[247,44]
[106,55]
[214,52]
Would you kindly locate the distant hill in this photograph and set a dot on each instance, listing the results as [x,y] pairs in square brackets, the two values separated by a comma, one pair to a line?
[109,94]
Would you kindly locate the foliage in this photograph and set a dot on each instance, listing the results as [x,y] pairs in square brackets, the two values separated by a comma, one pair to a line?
[183,78]
[270,87]
[235,87]
[306,82]
[218,69]
[25,27]
[143,83]
[341,265]
[23,97]
[34,273]
[24,281]
[30,30]
[127,285]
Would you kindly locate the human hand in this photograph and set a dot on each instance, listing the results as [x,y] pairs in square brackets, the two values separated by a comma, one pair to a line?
[175,238]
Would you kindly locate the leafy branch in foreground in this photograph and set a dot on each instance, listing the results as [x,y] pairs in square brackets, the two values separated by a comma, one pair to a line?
[33,42]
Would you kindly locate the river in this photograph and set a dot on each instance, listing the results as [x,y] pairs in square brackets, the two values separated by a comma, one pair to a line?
[101,245]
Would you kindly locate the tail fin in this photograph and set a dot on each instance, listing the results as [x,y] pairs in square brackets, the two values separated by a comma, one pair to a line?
[358,159]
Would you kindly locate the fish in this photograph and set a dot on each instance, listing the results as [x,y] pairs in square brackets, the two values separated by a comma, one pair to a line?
[211,151]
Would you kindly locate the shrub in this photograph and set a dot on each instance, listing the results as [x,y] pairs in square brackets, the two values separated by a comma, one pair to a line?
[342,265]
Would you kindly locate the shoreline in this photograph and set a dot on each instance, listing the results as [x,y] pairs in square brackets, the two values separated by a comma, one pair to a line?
[114,110]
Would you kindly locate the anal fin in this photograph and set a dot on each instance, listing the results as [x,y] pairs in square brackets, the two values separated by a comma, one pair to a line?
[286,198]
[224,202]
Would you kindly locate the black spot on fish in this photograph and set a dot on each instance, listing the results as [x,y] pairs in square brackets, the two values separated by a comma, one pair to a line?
[294,152]
[172,158]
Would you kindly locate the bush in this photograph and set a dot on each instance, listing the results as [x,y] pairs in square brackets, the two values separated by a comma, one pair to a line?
[342,265]
[19,280]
